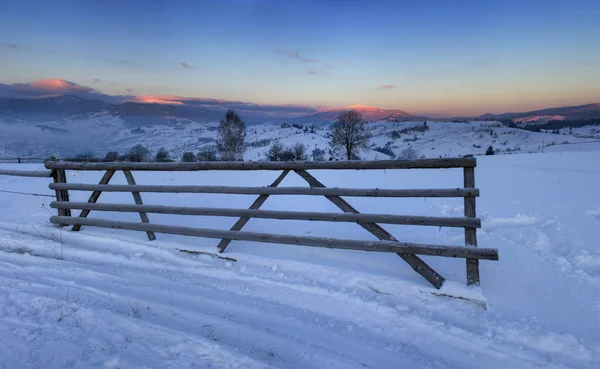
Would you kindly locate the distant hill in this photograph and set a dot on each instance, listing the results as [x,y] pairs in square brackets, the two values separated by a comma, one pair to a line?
[369,113]
[134,114]
[588,111]
[50,108]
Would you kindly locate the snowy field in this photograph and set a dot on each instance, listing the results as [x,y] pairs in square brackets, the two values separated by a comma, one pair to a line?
[104,298]
[441,139]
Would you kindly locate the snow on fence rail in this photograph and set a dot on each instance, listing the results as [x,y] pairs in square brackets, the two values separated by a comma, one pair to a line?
[370,222]
[26,173]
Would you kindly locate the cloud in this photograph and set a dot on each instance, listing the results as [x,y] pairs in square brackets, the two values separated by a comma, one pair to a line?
[310,71]
[43,88]
[120,61]
[224,104]
[10,46]
[97,80]
[387,86]
[295,55]
[186,65]
[55,87]
[58,87]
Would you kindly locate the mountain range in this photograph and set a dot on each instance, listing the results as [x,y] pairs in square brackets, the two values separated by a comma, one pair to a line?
[587,111]
[137,114]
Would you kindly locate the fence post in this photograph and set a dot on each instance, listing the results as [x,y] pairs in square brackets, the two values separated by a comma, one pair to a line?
[60,176]
[471,233]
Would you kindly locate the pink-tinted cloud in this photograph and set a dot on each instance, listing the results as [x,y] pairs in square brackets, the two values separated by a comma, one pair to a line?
[159,99]
[310,71]
[54,87]
[387,87]
[238,105]
[58,87]
[295,55]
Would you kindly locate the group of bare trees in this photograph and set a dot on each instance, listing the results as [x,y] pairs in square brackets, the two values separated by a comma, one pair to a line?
[348,136]
[230,145]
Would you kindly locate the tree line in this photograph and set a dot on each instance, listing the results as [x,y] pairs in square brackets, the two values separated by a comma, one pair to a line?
[348,136]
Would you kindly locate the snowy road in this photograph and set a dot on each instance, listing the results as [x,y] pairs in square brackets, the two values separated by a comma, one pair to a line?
[115,300]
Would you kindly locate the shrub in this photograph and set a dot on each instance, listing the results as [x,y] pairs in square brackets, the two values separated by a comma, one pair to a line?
[409,153]
[138,153]
[299,151]
[85,156]
[188,157]
[274,152]
[162,156]
[318,155]
[112,156]
[208,154]
[386,150]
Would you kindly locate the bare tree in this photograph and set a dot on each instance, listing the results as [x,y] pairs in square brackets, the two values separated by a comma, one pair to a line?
[188,157]
[162,156]
[111,156]
[230,140]
[208,154]
[318,155]
[299,150]
[349,133]
[138,153]
[409,153]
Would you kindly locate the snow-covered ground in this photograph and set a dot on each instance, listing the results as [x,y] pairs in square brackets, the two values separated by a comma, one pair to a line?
[102,133]
[109,298]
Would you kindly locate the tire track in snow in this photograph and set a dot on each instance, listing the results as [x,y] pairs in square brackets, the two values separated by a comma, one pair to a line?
[262,289]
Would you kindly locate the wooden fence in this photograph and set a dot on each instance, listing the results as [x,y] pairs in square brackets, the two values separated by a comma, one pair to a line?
[387,243]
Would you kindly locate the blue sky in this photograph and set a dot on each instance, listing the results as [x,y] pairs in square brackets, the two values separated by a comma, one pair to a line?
[434,57]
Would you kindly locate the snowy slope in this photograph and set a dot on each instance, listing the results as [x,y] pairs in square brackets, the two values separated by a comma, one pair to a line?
[116,300]
[104,132]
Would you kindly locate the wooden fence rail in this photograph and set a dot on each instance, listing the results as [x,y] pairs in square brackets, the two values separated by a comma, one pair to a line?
[352,192]
[270,165]
[370,222]
[460,222]
[26,173]
[333,243]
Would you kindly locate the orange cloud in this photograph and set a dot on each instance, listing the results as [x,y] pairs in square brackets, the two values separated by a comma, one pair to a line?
[159,99]
[57,85]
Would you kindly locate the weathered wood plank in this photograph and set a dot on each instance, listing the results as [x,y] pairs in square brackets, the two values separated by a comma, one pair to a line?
[470,232]
[351,192]
[138,200]
[374,246]
[94,196]
[414,261]
[255,205]
[277,214]
[270,165]
[59,176]
[26,173]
